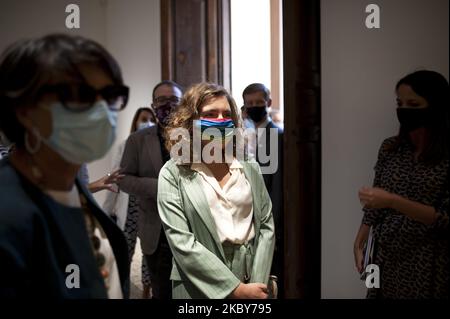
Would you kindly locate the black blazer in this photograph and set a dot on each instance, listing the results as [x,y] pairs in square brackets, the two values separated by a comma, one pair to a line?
[274,182]
[39,238]
[141,162]
[274,185]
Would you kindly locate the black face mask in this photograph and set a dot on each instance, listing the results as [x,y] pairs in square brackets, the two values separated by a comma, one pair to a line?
[256,113]
[413,118]
[163,112]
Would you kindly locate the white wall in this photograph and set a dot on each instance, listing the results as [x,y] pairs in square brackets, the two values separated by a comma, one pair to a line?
[360,68]
[25,19]
[133,38]
[250,43]
[130,30]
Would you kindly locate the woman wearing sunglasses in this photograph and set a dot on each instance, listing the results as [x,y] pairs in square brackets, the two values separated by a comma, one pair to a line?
[59,98]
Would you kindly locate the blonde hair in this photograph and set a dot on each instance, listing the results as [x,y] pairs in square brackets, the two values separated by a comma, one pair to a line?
[189,110]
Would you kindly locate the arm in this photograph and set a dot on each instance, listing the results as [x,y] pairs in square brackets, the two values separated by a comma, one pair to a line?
[203,268]
[18,232]
[262,261]
[373,216]
[276,195]
[110,203]
[13,272]
[107,182]
[358,248]
[132,183]
[428,215]
[376,200]
[414,210]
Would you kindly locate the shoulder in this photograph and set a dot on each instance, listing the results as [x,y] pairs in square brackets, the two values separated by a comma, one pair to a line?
[172,169]
[121,146]
[387,145]
[386,150]
[252,170]
[388,142]
[174,175]
[251,164]
[272,125]
[144,133]
[273,130]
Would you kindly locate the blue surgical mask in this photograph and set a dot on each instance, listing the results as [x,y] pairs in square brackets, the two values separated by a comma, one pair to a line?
[144,125]
[82,137]
[224,126]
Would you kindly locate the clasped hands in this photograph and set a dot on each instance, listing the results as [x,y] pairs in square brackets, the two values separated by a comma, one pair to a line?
[374,197]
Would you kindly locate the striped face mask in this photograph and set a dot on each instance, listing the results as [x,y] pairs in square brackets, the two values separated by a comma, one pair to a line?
[215,129]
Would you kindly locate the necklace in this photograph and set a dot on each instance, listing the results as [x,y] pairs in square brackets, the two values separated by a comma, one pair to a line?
[95,240]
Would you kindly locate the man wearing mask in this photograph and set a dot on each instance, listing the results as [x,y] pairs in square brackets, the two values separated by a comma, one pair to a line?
[144,156]
[257,102]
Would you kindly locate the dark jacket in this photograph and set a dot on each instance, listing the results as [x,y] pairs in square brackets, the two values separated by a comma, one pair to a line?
[39,238]
[141,162]
[274,185]
[274,182]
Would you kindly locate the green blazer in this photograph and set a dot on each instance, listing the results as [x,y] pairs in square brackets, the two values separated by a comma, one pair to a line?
[199,268]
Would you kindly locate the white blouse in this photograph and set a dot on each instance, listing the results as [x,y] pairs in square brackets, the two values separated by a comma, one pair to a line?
[232,205]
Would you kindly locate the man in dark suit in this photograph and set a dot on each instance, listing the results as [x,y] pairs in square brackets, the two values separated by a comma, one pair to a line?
[143,158]
[257,102]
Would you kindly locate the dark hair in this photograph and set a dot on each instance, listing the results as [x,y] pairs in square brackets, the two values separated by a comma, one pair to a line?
[168,83]
[257,87]
[433,87]
[136,116]
[27,65]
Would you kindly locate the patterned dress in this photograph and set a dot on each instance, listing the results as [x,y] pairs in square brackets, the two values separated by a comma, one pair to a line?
[130,232]
[412,257]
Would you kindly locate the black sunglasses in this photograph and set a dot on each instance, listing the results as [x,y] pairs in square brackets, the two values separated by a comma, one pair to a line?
[81,97]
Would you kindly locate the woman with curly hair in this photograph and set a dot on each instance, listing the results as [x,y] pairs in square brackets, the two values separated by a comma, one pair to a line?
[216,212]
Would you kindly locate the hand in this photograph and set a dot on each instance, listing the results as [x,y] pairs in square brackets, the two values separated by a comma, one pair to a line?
[358,247]
[373,197]
[250,291]
[358,253]
[107,182]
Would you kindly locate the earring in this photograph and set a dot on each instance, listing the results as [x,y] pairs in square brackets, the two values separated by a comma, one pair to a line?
[30,149]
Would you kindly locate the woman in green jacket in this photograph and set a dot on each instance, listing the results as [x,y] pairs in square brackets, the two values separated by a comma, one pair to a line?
[215,209]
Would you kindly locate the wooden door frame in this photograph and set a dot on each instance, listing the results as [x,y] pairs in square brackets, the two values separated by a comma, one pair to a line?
[302,138]
[218,41]
[167,54]
[302,148]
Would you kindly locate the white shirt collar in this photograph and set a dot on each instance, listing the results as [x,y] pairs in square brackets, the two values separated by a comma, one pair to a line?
[200,167]
[265,123]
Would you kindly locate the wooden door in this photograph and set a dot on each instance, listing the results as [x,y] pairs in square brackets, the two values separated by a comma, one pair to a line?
[302,148]
[195,41]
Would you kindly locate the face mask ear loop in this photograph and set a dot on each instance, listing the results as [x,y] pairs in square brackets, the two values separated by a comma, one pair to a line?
[33,149]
